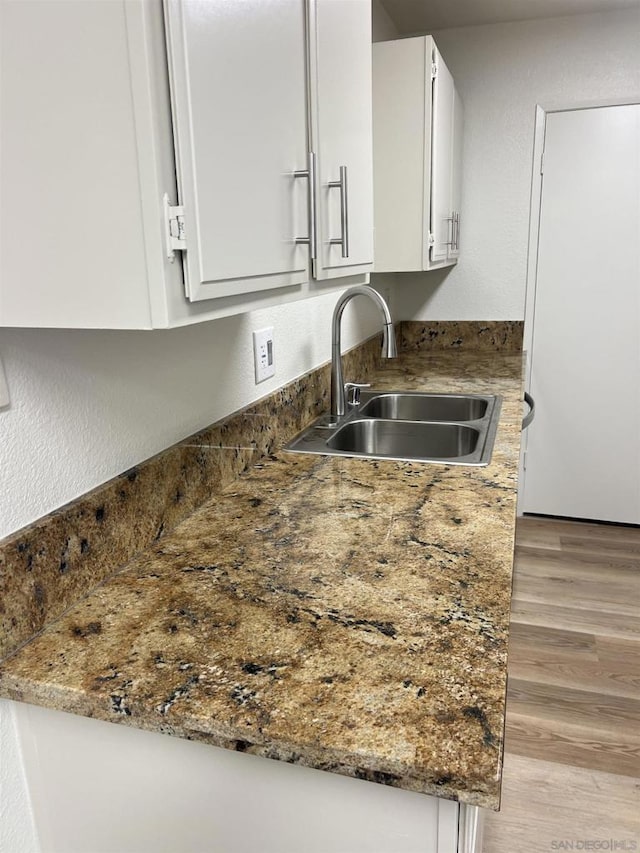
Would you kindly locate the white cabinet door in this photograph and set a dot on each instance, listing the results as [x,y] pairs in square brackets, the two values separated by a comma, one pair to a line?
[401,153]
[456,173]
[189,797]
[441,160]
[238,74]
[72,223]
[418,127]
[341,134]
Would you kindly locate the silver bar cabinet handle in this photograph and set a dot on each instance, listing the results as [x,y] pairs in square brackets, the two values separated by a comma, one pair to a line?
[343,240]
[458,231]
[310,174]
[452,220]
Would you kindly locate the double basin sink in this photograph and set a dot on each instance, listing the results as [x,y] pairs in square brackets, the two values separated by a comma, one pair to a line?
[451,429]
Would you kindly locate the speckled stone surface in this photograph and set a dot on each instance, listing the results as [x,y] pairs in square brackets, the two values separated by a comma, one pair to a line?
[53,562]
[350,615]
[488,336]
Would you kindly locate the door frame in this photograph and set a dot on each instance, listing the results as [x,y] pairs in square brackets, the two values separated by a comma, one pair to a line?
[539,132]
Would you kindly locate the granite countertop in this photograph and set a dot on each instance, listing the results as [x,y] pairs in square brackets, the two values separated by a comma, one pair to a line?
[349,615]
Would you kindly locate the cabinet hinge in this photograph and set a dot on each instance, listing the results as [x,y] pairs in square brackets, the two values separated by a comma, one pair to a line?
[174,234]
[434,70]
[542,164]
[431,240]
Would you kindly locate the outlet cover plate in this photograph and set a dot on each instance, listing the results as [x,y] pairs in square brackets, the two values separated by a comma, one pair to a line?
[263,354]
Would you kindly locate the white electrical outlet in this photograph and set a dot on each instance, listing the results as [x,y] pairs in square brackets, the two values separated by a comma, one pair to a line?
[263,354]
[4,388]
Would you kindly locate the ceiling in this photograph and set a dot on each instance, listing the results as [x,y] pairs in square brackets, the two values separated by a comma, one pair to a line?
[422,16]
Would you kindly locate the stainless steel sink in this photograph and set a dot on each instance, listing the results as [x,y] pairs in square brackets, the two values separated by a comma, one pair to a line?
[405,439]
[423,407]
[448,428]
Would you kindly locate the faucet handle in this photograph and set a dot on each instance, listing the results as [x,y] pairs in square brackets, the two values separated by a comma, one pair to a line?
[352,392]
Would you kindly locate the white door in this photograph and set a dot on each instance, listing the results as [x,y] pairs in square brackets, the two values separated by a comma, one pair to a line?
[238,76]
[441,160]
[583,451]
[342,135]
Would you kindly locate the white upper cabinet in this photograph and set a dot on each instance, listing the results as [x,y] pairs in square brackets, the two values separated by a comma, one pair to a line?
[240,119]
[79,173]
[441,238]
[340,41]
[157,162]
[417,149]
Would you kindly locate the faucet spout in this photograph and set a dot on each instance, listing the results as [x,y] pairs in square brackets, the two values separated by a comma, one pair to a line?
[338,402]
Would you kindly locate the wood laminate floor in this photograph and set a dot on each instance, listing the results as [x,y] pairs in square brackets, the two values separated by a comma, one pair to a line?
[572,743]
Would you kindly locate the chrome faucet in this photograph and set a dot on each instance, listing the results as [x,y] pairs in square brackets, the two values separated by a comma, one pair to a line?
[338,401]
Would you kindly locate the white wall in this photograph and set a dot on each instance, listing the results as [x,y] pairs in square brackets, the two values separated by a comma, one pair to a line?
[502,72]
[382,26]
